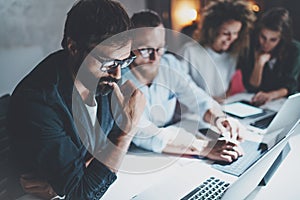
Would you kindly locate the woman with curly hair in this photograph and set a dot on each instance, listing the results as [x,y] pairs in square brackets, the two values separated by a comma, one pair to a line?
[222,37]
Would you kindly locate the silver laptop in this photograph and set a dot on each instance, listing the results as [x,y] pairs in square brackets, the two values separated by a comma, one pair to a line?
[280,125]
[231,186]
[212,183]
[288,114]
[250,179]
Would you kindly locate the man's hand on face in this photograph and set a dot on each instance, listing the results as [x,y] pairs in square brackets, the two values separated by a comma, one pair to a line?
[128,105]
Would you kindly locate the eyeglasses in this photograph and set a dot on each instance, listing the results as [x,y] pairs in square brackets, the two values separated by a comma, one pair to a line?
[146,52]
[111,64]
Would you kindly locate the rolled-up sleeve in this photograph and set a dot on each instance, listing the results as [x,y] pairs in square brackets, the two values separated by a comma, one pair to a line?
[153,138]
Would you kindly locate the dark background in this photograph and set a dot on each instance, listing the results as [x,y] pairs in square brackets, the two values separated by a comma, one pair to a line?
[163,8]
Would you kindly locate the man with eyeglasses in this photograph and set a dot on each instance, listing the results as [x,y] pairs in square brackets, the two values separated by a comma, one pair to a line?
[164,86]
[70,120]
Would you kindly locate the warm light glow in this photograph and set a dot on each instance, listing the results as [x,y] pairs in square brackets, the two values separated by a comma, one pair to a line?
[184,12]
[255,8]
[187,15]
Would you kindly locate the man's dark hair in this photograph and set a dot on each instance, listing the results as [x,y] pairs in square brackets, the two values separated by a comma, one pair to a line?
[90,22]
[146,18]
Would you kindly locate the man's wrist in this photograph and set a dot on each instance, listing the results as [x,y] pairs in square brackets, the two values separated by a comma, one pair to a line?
[199,145]
[219,117]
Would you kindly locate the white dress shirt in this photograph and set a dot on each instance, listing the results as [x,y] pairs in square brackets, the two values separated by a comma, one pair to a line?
[170,84]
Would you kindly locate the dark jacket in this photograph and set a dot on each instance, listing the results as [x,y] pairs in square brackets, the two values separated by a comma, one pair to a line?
[51,131]
[283,75]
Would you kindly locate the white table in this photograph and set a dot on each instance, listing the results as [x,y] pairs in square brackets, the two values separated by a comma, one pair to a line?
[284,184]
[136,177]
[140,172]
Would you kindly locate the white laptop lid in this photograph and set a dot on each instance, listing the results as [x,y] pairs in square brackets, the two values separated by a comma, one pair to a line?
[287,115]
[179,185]
[248,181]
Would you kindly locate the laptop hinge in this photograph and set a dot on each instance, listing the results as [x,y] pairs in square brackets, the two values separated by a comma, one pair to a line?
[275,165]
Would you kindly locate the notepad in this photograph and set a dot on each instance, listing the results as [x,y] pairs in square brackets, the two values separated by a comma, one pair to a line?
[241,110]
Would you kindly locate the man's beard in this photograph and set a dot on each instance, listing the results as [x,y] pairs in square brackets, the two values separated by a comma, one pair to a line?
[103,88]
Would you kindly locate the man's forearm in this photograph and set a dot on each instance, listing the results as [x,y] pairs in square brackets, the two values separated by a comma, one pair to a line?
[185,144]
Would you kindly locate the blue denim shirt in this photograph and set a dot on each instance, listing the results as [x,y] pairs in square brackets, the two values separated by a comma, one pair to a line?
[51,132]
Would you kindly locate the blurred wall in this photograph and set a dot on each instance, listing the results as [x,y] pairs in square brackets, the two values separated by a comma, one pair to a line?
[30,30]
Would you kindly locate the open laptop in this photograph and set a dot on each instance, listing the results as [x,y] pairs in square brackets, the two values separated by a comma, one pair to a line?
[288,114]
[213,183]
[236,188]
[248,181]
[285,119]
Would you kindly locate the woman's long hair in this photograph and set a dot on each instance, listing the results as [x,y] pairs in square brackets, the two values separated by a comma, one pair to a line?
[276,19]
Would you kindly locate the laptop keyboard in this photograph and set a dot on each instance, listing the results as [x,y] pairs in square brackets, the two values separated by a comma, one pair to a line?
[252,152]
[212,188]
[263,123]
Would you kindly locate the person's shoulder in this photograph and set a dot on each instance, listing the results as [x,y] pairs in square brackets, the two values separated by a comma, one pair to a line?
[194,50]
[170,61]
[169,57]
[43,76]
[170,65]
[194,45]
[296,44]
[292,50]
